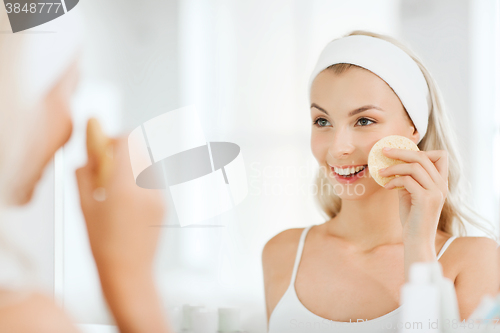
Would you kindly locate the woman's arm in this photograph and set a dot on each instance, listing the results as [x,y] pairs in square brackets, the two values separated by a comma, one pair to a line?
[134,301]
[417,250]
[34,313]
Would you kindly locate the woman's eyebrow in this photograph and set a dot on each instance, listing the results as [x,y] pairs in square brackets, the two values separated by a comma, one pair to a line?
[353,112]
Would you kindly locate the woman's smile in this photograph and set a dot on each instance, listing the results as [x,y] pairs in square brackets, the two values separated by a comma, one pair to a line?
[349,176]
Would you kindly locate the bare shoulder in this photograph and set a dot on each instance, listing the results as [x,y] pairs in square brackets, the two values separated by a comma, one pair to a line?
[35,312]
[472,246]
[475,251]
[479,272]
[281,246]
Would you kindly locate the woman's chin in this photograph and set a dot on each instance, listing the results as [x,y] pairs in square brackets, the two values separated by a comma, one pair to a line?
[358,190]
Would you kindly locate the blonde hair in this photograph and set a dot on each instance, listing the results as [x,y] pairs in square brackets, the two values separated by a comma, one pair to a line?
[439,136]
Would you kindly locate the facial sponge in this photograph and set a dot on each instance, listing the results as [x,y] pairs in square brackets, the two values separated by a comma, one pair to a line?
[98,148]
[377,160]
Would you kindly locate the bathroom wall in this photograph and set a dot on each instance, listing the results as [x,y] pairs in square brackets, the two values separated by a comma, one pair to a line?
[458,41]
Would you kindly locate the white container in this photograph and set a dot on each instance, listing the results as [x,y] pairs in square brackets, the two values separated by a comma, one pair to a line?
[486,315]
[174,316]
[482,310]
[448,299]
[420,300]
[204,320]
[229,320]
[187,316]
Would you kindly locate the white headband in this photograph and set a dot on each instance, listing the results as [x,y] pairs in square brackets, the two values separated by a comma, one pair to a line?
[390,63]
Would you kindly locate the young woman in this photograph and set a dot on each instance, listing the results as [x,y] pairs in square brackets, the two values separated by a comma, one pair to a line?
[350,269]
[35,121]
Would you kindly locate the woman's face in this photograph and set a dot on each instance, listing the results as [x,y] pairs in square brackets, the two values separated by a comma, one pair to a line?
[52,134]
[350,112]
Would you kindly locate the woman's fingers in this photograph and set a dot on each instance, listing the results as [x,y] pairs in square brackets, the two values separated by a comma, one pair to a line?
[414,188]
[435,163]
[414,170]
[410,184]
[121,165]
[440,160]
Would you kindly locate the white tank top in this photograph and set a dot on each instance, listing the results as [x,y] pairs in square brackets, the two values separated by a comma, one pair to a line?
[290,315]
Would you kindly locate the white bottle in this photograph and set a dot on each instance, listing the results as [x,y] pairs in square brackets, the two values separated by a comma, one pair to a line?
[204,320]
[420,301]
[187,316]
[450,316]
[229,319]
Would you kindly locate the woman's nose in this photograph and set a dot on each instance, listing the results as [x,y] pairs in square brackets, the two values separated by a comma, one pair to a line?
[341,145]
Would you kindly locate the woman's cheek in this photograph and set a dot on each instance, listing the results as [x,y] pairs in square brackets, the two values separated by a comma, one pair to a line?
[319,147]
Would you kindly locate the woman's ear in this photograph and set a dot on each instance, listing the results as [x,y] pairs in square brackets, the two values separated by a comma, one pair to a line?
[416,135]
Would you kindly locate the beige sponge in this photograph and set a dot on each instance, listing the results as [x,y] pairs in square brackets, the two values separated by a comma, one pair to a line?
[377,160]
[98,148]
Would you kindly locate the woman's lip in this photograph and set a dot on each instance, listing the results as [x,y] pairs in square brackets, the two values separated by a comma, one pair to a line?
[347,166]
[349,180]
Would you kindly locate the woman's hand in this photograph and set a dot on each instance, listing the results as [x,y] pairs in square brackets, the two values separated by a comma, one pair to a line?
[123,233]
[121,228]
[425,181]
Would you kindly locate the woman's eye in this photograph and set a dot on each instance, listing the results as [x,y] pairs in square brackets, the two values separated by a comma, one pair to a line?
[320,122]
[365,119]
